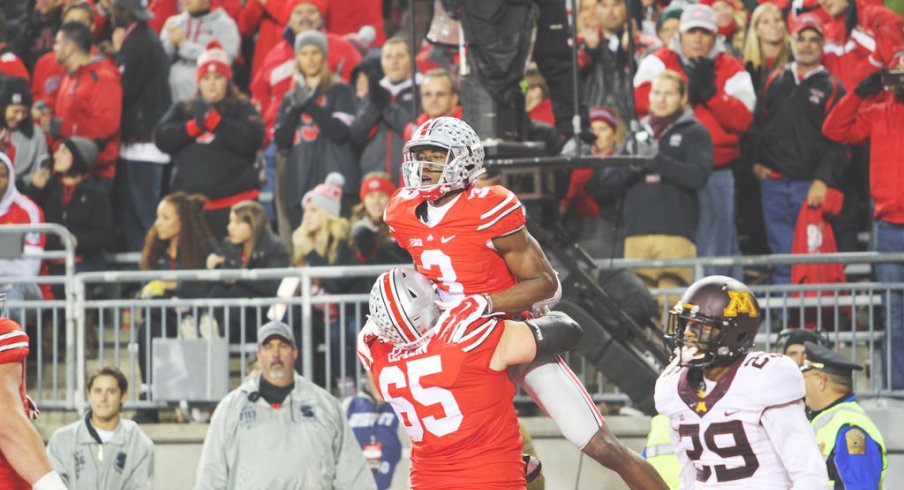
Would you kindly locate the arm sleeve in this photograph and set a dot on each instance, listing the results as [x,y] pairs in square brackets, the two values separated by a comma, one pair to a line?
[398,115]
[334,125]
[351,470]
[54,454]
[503,213]
[846,123]
[794,441]
[366,117]
[171,135]
[250,18]
[861,470]
[142,476]
[286,122]
[136,73]
[733,104]
[243,132]
[693,172]
[106,99]
[687,473]
[213,466]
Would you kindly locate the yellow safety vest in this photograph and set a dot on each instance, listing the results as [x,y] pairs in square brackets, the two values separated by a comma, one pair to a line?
[828,423]
[660,453]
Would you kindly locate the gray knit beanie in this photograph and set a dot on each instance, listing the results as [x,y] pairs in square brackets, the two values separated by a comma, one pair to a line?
[311,38]
[84,152]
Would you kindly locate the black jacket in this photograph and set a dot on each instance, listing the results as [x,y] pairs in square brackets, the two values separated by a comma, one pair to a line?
[88,215]
[380,131]
[184,289]
[661,198]
[217,165]
[788,122]
[269,253]
[145,89]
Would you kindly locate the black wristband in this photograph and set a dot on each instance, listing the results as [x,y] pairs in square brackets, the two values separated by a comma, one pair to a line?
[555,333]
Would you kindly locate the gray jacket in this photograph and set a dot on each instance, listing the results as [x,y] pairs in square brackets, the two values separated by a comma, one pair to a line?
[124,462]
[198,32]
[306,444]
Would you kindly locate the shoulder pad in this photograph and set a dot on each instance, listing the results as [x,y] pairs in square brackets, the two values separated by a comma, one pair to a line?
[780,381]
[500,210]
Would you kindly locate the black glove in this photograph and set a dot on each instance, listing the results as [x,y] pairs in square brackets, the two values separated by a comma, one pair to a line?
[364,238]
[301,94]
[871,85]
[701,81]
[378,95]
[199,111]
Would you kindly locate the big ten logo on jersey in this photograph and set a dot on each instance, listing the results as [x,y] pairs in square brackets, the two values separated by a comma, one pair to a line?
[402,384]
[739,302]
[727,440]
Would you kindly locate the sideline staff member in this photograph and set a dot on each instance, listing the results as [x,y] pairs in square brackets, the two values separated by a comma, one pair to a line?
[848,439]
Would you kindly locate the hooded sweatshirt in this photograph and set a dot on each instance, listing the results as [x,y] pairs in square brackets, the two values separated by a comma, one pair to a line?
[199,30]
[16,209]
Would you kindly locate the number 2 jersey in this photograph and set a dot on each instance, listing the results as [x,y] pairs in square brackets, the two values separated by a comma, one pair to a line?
[455,250]
[13,350]
[723,431]
[457,411]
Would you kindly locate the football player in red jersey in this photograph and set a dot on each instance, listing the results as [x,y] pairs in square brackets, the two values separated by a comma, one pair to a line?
[451,392]
[473,241]
[23,462]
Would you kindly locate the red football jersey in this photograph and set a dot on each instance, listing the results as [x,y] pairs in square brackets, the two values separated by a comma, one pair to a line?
[457,253]
[13,349]
[457,411]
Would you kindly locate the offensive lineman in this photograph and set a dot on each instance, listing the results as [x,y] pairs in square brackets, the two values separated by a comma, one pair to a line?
[23,462]
[445,377]
[736,417]
[473,241]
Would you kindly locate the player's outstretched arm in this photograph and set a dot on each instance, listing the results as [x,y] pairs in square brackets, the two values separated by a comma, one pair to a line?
[537,281]
[522,342]
[792,436]
[19,440]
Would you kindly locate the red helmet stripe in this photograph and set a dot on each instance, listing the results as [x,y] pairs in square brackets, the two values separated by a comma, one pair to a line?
[399,318]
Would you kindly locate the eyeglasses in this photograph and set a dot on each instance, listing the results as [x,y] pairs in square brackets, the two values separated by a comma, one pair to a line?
[434,94]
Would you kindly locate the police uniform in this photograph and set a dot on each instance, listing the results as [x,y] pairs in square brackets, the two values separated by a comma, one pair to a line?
[660,452]
[84,462]
[851,443]
[303,444]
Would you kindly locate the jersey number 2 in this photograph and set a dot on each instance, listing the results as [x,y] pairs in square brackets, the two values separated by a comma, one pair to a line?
[741,447]
[418,368]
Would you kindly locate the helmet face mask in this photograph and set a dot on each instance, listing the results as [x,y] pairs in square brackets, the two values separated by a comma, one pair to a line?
[403,307]
[463,162]
[718,316]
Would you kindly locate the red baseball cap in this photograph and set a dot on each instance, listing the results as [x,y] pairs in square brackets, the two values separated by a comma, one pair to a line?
[807,21]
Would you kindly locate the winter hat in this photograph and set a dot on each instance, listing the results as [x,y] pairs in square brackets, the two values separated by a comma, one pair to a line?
[139,9]
[673,11]
[604,114]
[327,195]
[214,60]
[84,153]
[311,38]
[376,184]
[807,21]
[15,90]
[321,5]
[701,16]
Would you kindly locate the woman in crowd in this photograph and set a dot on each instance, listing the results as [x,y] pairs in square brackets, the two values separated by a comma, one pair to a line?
[313,124]
[20,138]
[249,245]
[767,48]
[179,240]
[213,138]
[731,19]
[75,200]
[370,240]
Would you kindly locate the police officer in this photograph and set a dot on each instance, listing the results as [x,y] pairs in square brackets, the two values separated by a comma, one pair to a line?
[103,451]
[660,452]
[279,430]
[849,440]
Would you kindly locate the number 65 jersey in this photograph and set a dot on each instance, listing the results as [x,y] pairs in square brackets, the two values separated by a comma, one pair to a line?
[746,431]
[457,411]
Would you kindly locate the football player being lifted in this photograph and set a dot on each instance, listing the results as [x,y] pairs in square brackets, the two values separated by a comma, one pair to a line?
[453,393]
[472,241]
[736,417]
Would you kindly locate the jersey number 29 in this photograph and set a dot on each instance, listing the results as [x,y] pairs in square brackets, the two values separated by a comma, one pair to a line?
[740,448]
[394,376]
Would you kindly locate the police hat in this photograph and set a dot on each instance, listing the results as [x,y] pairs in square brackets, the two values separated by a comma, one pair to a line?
[827,360]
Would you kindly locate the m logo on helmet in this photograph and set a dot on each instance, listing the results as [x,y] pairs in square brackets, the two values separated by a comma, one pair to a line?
[739,302]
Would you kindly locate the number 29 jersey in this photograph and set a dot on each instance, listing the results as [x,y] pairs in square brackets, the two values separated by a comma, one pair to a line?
[456,252]
[720,430]
[457,411]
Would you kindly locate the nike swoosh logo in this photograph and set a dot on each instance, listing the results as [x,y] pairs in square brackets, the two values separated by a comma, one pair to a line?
[729,413]
[446,239]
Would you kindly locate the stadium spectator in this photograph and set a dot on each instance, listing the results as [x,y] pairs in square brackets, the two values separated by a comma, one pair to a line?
[381,120]
[439,97]
[795,347]
[605,61]
[731,20]
[123,456]
[250,245]
[722,97]
[370,239]
[667,23]
[20,138]
[296,433]
[262,21]
[369,66]
[89,102]
[77,201]
[179,240]
[661,205]
[313,126]
[795,162]
[767,48]
[213,138]
[185,37]
[536,98]
[145,98]
[17,209]
[596,222]
[37,38]
[376,428]
[10,64]
[48,72]
[874,114]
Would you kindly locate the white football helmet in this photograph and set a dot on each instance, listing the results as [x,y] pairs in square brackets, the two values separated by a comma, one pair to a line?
[464,161]
[403,306]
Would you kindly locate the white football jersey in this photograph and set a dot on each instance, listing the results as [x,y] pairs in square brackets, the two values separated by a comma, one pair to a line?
[719,430]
